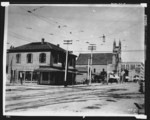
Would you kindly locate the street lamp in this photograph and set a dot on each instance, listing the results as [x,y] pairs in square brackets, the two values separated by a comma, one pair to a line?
[67,42]
[91,47]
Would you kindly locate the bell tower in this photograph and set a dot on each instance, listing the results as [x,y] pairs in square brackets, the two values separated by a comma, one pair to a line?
[116,55]
[114,45]
[119,45]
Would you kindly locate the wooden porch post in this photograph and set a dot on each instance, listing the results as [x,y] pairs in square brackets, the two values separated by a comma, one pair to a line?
[31,76]
[24,75]
[49,78]
[40,77]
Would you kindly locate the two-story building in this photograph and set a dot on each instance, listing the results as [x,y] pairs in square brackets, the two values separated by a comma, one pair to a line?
[40,62]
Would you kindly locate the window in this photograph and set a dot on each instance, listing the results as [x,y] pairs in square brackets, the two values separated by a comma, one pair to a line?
[127,67]
[45,76]
[28,75]
[132,67]
[29,58]
[123,66]
[18,58]
[94,70]
[35,76]
[57,57]
[42,58]
[70,61]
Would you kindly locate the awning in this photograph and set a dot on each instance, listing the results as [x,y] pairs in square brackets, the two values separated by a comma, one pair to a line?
[49,69]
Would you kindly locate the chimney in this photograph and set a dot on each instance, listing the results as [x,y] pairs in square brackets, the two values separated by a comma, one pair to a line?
[58,45]
[11,47]
[42,42]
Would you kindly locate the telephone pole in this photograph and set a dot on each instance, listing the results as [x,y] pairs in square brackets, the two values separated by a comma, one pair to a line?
[67,42]
[91,47]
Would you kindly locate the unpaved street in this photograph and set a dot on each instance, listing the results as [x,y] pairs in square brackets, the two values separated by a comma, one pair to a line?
[94,99]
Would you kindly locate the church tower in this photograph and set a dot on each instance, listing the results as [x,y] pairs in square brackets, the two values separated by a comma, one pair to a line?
[120,45]
[119,51]
[114,45]
[116,56]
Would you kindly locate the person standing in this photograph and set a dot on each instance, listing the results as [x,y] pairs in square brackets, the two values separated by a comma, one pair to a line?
[122,76]
[21,78]
[103,75]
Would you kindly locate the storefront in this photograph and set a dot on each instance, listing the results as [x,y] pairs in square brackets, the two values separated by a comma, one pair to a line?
[55,76]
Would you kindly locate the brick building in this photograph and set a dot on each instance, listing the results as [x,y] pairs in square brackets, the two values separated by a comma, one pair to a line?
[40,61]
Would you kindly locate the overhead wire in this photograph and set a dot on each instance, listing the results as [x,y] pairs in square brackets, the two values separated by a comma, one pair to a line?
[111,51]
[20,36]
[43,19]
[67,25]
[47,20]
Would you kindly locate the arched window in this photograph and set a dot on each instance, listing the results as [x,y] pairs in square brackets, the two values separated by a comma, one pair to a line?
[42,58]
[18,58]
[29,58]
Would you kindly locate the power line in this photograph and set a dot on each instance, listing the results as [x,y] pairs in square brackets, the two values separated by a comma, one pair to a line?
[111,51]
[41,18]
[47,20]
[20,36]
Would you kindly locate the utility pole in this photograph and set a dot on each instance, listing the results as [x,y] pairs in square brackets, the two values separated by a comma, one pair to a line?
[91,47]
[67,42]
[88,68]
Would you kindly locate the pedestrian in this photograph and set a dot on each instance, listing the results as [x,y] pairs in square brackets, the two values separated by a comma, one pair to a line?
[21,78]
[103,75]
[122,76]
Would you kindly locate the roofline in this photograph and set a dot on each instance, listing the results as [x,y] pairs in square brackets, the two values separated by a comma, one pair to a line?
[132,62]
[14,51]
[95,53]
[41,50]
[92,64]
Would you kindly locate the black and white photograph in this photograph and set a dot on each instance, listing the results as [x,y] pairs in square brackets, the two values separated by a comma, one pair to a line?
[74,60]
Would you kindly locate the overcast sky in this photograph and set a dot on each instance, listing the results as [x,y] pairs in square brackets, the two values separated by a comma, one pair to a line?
[82,24]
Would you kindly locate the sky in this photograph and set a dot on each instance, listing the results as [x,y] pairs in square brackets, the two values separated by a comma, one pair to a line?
[83,24]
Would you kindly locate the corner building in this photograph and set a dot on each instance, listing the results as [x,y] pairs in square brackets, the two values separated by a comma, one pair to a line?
[40,62]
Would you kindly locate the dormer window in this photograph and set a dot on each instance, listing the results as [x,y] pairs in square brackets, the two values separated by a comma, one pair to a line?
[29,58]
[42,58]
[18,58]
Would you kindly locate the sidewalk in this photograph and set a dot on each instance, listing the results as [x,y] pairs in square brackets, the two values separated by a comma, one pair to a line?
[35,86]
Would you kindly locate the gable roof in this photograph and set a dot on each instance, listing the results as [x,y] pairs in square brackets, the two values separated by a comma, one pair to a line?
[97,59]
[36,46]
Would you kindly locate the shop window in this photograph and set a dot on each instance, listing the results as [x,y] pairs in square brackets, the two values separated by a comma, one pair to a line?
[45,76]
[29,58]
[18,58]
[35,76]
[42,58]
[28,76]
